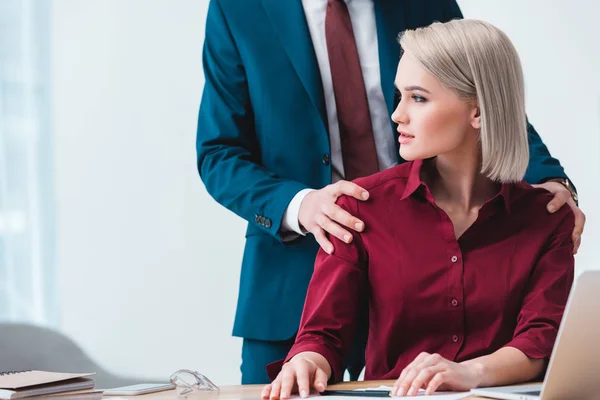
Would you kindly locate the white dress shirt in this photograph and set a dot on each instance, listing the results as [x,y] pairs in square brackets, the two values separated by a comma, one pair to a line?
[362,14]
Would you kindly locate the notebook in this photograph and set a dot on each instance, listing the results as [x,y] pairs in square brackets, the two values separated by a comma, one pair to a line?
[19,384]
[78,395]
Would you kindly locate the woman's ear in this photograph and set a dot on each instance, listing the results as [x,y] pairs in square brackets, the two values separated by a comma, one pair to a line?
[476,118]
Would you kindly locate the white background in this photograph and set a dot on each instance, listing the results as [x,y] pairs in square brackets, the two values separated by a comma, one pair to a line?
[149,263]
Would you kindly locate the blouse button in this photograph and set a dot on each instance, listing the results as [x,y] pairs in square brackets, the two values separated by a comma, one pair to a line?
[455,338]
[454,259]
[454,302]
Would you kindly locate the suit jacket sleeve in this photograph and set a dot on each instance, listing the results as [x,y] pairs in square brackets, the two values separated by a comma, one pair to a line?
[228,152]
[542,166]
[451,10]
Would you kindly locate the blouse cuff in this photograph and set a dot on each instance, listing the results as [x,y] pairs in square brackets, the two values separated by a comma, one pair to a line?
[274,368]
[529,348]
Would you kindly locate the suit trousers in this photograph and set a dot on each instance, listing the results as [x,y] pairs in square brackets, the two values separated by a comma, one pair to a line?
[257,354]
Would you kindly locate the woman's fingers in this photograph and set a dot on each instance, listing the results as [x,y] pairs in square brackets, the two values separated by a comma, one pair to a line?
[423,378]
[408,375]
[435,382]
[266,392]
[287,383]
[275,389]
[320,382]
[303,379]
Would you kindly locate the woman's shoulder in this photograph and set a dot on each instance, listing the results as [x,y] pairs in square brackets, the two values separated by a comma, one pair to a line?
[531,204]
[398,175]
[381,185]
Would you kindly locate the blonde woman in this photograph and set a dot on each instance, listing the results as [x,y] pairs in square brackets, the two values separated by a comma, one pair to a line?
[465,273]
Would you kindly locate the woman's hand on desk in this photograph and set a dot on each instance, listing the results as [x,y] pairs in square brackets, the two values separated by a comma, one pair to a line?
[303,372]
[432,372]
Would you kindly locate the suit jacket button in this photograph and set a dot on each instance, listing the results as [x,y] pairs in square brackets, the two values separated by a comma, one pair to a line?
[326,159]
[267,223]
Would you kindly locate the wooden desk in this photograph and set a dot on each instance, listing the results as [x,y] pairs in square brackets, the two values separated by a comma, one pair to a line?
[246,392]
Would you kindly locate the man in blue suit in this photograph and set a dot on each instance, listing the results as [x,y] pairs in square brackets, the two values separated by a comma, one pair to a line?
[287,83]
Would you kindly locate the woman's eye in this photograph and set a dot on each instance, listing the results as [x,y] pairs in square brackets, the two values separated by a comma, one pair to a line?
[419,99]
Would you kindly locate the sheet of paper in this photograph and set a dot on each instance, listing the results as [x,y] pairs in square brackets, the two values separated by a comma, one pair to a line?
[453,396]
[420,394]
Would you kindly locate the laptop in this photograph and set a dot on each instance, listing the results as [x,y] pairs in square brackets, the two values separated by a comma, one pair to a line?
[574,368]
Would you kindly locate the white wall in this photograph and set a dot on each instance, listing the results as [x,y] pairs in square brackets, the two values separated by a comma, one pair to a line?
[146,287]
[149,262]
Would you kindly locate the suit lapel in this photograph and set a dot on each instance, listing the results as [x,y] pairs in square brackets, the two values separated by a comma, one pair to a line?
[289,21]
[287,16]
[390,16]
[391,20]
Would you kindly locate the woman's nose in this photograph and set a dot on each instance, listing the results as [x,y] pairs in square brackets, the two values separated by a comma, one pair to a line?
[399,115]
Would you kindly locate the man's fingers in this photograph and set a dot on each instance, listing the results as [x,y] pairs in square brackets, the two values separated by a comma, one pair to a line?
[579,224]
[322,240]
[579,217]
[350,189]
[320,382]
[576,243]
[343,217]
[559,200]
[336,230]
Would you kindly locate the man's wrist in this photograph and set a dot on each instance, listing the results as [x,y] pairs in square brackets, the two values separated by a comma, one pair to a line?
[290,220]
[568,185]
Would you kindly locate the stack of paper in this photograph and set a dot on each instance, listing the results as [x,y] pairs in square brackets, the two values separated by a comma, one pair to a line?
[43,385]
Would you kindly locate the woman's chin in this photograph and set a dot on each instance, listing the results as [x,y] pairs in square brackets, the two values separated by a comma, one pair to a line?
[412,154]
[409,155]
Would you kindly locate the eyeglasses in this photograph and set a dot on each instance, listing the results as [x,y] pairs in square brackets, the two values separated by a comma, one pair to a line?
[187,381]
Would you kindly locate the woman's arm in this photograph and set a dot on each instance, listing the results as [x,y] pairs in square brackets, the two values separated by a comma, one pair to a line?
[432,372]
[505,366]
[336,293]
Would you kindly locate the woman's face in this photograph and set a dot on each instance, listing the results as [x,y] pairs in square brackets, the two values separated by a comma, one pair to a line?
[431,118]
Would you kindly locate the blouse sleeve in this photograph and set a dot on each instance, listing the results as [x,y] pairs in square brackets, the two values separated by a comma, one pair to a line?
[335,295]
[546,294]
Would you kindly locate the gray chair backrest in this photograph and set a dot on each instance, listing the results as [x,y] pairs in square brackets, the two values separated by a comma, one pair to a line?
[25,347]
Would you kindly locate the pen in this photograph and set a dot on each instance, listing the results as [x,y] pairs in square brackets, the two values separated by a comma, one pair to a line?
[361,393]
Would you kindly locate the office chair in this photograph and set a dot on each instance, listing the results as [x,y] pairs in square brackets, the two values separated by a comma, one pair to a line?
[25,347]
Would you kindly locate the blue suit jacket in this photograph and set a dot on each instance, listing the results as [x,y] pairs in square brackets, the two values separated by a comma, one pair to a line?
[262,137]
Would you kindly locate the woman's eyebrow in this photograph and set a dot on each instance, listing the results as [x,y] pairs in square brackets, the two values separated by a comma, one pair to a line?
[414,87]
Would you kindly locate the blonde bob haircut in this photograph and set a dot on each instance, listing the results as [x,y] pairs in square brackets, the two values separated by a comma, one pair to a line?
[479,62]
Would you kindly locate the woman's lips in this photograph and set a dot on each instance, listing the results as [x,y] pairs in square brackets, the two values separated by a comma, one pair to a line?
[405,138]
